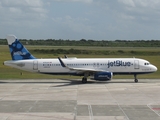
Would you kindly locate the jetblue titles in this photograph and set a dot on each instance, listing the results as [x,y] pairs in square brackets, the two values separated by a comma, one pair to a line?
[118,63]
[19,53]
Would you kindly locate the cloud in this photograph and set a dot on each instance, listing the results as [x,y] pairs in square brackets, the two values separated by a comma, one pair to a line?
[72,26]
[76,19]
[107,19]
[128,2]
[22,3]
[145,10]
[20,17]
[21,11]
[141,5]
[85,1]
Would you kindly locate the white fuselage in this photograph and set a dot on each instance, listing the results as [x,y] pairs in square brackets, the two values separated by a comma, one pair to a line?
[114,65]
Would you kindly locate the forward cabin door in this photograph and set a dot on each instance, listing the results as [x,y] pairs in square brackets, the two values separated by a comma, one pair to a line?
[35,65]
[136,64]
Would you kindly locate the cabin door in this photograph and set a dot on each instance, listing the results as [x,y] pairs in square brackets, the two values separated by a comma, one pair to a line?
[35,65]
[136,64]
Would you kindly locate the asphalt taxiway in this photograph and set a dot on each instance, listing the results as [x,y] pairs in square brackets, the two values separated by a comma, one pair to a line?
[64,99]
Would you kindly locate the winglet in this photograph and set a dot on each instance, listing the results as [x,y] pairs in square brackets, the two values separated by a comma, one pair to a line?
[62,63]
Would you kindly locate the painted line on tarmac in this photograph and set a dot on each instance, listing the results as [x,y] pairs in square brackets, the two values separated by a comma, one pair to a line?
[90,112]
[75,112]
[149,105]
[117,104]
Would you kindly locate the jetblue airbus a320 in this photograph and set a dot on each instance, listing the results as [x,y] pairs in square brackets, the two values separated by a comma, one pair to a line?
[101,69]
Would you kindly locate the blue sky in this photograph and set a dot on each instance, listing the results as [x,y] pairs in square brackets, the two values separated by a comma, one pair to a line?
[81,19]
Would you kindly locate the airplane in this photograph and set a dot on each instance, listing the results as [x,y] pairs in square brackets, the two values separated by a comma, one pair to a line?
[101,69]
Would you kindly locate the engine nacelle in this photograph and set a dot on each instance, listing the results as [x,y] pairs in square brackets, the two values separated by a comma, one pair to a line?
[103,76]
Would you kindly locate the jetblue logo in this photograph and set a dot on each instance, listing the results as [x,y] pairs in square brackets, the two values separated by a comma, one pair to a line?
[119,63]
[19,53]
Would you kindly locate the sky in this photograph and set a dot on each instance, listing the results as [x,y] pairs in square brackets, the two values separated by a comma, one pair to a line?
[81,19]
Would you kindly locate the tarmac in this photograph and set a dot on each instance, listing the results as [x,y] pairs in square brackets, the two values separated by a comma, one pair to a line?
[67,99]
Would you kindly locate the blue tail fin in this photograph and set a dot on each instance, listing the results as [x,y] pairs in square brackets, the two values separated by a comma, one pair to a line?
[17,50]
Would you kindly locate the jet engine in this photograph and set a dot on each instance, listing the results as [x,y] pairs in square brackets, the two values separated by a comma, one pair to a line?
[103,76]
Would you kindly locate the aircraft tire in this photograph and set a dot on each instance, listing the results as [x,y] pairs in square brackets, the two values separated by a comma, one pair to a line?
[136,80]
[84,80]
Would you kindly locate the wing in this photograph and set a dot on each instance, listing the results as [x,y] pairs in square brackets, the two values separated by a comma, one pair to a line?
[80,69]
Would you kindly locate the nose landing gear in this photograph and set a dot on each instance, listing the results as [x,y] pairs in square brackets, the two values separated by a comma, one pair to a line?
[135,78]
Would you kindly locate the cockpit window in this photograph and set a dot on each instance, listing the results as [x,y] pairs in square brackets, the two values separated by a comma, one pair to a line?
[146,63]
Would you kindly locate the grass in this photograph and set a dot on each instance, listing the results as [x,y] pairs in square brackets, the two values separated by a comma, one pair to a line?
[11,73]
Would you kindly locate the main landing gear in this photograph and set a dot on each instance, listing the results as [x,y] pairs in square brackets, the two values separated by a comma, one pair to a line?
[84,79]
[135,78]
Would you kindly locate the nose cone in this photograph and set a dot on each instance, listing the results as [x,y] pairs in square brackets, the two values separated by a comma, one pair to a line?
[154,68]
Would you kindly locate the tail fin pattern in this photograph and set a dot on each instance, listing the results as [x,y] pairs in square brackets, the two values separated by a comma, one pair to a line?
[17,50]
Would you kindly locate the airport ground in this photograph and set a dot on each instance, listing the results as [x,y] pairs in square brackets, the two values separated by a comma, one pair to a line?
[68,99]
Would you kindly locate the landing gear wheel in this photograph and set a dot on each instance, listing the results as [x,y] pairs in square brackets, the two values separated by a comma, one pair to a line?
[84,80]
[136,80]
